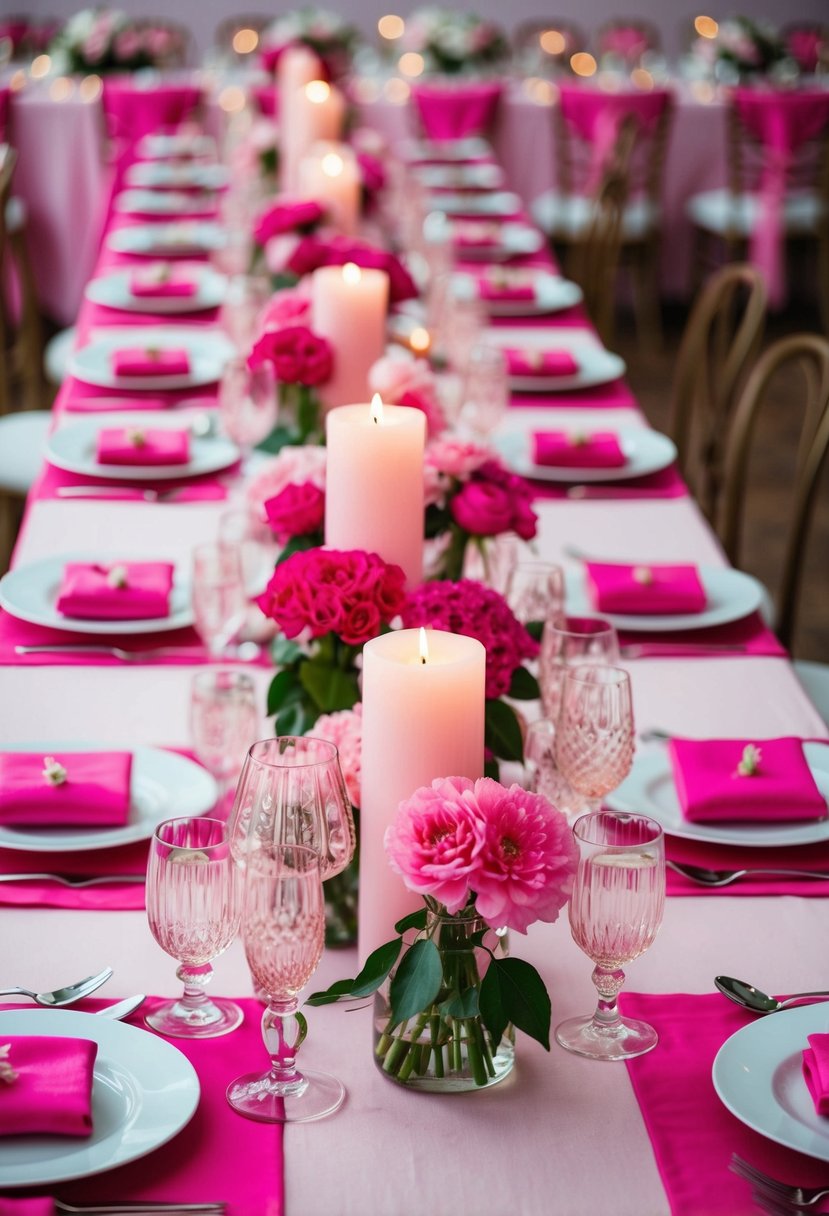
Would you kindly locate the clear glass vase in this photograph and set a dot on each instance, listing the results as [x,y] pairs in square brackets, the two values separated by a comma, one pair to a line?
[446,1048]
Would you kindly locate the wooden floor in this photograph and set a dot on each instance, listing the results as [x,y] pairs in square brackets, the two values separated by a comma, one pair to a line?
[767,502]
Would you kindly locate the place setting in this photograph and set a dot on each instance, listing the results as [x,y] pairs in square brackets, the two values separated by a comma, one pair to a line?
[486,175]
[186,175]
[491,240]
[502,203]
[164,203]
[168,238]
[152,358]
[568,360]
[521,291]
[164,288]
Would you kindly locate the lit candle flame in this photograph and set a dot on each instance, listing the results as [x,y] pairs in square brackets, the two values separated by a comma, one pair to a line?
[351,273]
[332,164]
[377,408]
[424,646]
[318,91]
[420,341]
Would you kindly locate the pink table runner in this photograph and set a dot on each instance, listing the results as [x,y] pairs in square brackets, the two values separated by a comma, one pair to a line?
[132,112]
[692,1133]
[749,636]
[667,483]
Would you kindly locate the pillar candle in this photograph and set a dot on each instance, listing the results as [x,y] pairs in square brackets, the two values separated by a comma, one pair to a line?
[374,483]
[420,721]
[330,174]
[348,307]
[315,112]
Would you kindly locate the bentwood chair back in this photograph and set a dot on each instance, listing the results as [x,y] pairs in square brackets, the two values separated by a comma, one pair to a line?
[21,331]
[801,361]
[721,340]
[7,163]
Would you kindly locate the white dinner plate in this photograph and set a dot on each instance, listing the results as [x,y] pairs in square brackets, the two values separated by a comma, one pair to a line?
[646,451]
[144,1091]
[494,203]
[113,291]
[514,239]
[551,293]
[471,147]
[649,789]
[162,785]
[184,175]
[484,176]
[30,593]
[168,240]
[208,351]
[730,596]
[163,202]
[595,364]
[72,447]
[758,1076]
[168,147]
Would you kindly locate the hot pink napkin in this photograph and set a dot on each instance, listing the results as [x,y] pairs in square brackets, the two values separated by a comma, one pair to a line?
[121,591]
[711,789]
[96,788]
[52,1094]
[816,1071]
[151,361]
[600,450]
[154,446]
[27,1207]
[540,362]
[647,589]
[161,284]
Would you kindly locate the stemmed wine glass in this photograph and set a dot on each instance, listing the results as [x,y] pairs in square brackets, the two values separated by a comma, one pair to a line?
[569,642]
[283,927]
[615,913]
[220,604]
[223,721]
[292,792]
[193,914]
[594,732]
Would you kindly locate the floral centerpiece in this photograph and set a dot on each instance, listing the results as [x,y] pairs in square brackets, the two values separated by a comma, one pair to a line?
[471,497]
[401,380]
[302,360]
[452,42]
[292,468]
[745,48]
[485,859]
[107,40]
[314,251]
[277,229]
[327,34]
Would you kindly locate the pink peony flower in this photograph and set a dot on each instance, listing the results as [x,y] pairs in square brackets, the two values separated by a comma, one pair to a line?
[298,354]
[435,840]
[525,870]
[293,466]
[285,308]
[345,730]
[482,508]
[296,511]
[457,459]
[287,215]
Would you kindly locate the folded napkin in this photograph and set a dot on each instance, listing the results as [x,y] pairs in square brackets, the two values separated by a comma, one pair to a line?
[541,362]
[601,450]
[161,283]
[151,361]
[68,788]
[649,590]
[816,1071]
[120,591]
[42,1206]
[765,781]
[506,288]
[134,445]
[52,1092]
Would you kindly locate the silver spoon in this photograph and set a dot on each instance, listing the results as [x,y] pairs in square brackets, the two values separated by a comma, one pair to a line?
[63,996]
[122,1009]
[751,998]
[724,878]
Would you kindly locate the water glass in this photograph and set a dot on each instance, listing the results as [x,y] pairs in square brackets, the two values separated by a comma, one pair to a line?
[615,912]
[248,402]
[594,732]
[566,642]
[192,909]
[485,389]
[224,720]
[536,591]
[245,297]
[220,604]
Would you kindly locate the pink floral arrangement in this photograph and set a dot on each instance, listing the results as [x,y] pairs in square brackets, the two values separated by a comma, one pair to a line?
[508,852]
[287,215]
[297,511]
[411,382]
[345,730]
[299,356]
[313,251]
[286,307]
[106,40]
[295,465]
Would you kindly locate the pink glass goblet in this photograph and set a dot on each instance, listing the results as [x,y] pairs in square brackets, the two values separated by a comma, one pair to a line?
[594,732]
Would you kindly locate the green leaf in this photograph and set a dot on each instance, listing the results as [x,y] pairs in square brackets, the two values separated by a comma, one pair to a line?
[461,1004]
[285,651]
[415,920]
[502,734]
[293,720]
[534,629]
[279,438]
[492,769]
[377,966]
[513,991]
[416,982]
[328,687]
[284,690]
[523,686]
[338,991]
[298,544]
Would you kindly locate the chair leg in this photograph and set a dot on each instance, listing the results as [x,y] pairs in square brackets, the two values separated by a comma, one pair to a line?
[10,515]
[644,271]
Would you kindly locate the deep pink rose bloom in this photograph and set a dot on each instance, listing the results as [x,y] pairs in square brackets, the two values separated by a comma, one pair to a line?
[435,839]
[284,308]
[298,354]
[300,215]
[312,252]
[372,173]
[482,508]
[525,870]
[360,624]
[296,510]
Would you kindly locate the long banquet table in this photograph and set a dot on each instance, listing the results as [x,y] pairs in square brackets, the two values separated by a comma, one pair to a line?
[563,1135]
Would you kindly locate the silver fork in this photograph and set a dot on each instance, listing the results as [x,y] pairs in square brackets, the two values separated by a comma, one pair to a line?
[66,880]
[117,492]
[793,1198]
[127,656]
[138,1208]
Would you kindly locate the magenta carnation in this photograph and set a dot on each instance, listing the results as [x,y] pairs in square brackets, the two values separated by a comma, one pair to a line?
[296,511]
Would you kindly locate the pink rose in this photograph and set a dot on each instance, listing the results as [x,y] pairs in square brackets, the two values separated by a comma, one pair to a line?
[456,458]
[312,252]
[345,730]
[298,354]
[411,382]
[288,215]
[293,465]
[285,308]
[360,624]
[296,511]
[482,508]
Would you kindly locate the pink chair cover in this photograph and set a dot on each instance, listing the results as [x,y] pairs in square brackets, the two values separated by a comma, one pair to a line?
[782,122]
[805,47]
[595,116]
[454,111]
[132,112]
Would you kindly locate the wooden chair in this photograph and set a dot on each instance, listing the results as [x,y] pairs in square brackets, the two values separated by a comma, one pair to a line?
[721,340]
[21,333]
[803,359]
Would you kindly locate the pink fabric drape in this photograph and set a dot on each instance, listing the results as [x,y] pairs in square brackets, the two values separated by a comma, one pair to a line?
[596,116]
[132,112]
[454,111]
[782,122]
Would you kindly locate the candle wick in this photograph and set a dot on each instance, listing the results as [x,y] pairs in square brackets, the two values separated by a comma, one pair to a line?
[423,660]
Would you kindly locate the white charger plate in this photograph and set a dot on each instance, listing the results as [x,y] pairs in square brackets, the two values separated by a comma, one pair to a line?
[167,147]
[485,176]
[72,447]
[208,351]
[113,291]
[515,239]
[144,1091]
[730,596]
[163,202]
[168,240]
[757,1075]
[646,451]
[470,147]
[649,789]
[596,365]
[551,294]
[163,784]
[185,175]
[29,592]
[494,203]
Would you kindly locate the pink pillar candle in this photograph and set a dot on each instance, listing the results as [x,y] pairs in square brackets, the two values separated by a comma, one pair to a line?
[330,175]
[374,483]
[421,720]
[315,112]
[348,307]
